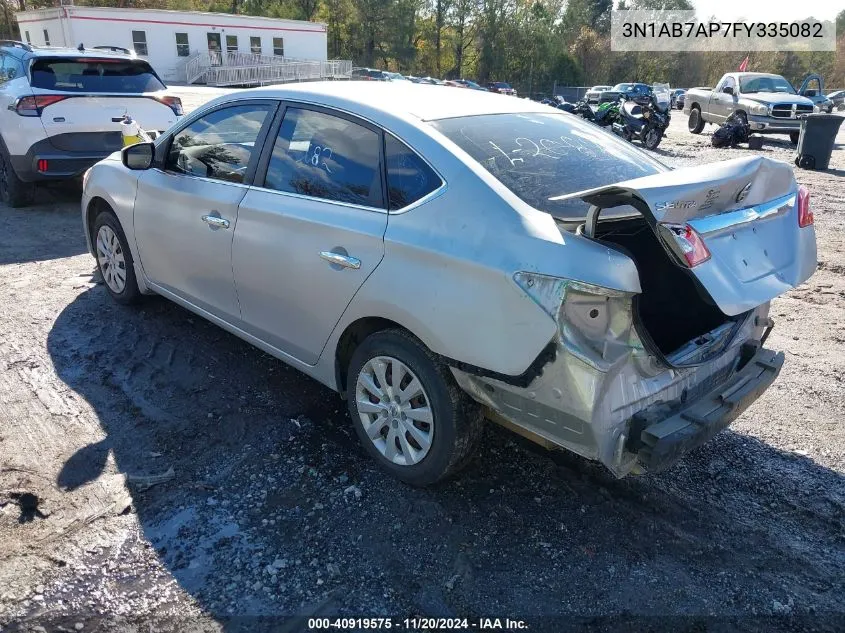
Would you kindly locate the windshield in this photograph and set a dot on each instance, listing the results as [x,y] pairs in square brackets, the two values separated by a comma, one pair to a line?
[765,83]
[540,156]
[501,84]
[80,74]
[622,87]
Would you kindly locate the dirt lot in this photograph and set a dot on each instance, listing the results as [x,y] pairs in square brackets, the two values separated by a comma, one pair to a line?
[269,507]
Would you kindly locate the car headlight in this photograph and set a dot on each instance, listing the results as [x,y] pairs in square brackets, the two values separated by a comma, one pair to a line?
[759,109]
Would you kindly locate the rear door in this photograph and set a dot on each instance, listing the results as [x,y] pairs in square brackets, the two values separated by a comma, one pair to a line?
[746,213]
[95,93]
[311,230]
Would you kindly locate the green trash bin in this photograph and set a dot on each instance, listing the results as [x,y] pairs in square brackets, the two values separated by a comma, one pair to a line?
[815,144]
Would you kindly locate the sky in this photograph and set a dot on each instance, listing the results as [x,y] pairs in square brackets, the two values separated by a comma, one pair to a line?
[767,10]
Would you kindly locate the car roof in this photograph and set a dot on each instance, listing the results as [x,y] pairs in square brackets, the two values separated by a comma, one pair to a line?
[28,51]
[420,101]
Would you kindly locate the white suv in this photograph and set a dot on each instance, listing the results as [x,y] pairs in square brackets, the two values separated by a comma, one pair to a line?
[61,108]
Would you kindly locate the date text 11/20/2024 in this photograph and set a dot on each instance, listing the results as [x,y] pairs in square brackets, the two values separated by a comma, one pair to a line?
[417,624]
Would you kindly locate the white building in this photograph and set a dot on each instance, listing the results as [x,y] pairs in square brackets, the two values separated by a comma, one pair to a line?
[169,39]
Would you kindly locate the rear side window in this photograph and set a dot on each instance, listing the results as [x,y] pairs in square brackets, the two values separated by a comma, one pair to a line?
[328,157]
[95,75]
[543,156]
[218,145]
[409,178]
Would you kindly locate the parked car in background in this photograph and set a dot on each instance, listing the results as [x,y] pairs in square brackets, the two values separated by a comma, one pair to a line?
[61,111]
[466,83]
[369,74]
[457,256]
[432,80]
[768,103]
[627,90]
[837,98]
[594,94]
[502,88]
[395,76]
[678,98]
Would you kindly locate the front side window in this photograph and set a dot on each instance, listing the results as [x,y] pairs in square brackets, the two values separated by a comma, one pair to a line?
[91,74]
[278,47]
[540,157]
[218,145]
[182,47]
[139,42]
[255,45]
[46,38]
[231,43]
[326,157]
[409,178]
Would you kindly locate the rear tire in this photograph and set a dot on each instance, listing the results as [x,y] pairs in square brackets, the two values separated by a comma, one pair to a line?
[114,259]
[695,123]
[652,138]
[13,191]
[383,417]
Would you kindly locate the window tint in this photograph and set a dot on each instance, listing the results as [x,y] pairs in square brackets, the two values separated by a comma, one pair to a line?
[218,145]
[543,156]
[255,45]
[182,47]
[278,47]
[139,41]
[94,75]
[326,157]
[409,178]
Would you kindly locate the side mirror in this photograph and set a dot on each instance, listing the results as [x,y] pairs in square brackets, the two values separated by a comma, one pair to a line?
[138,156]
[728,90]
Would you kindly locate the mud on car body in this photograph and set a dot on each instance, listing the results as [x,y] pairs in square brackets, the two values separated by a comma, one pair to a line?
[452,258]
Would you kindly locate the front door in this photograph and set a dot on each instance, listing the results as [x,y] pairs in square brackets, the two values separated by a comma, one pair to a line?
[215,48]
[312,230]
[186,208]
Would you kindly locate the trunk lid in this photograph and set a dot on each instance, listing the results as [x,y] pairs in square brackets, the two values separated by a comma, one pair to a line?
[745,211]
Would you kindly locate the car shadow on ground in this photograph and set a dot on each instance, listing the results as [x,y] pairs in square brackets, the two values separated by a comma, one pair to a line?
[48,234]
[275,510]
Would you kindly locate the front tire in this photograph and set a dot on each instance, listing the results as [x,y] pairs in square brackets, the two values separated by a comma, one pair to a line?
[410,415]
[695,123]
[13,191]
[114,259]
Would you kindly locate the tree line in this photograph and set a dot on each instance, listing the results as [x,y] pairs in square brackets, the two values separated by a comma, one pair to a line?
[532,44]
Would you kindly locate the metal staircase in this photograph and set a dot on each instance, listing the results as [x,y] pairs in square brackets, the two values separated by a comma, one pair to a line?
[248,69]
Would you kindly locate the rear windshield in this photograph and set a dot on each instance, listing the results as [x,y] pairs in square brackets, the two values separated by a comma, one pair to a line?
[94,75]
[540,156]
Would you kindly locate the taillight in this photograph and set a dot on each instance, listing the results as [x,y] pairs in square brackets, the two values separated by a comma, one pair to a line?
[805,214]
[42,165]
[174,103]
[687,243]
[34,105]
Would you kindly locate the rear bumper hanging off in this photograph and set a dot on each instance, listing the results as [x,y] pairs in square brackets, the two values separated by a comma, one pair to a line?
[660,435]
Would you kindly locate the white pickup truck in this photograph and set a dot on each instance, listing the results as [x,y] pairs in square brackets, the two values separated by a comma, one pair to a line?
[768,103]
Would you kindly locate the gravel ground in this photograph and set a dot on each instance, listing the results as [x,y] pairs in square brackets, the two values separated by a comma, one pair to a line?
[267,507]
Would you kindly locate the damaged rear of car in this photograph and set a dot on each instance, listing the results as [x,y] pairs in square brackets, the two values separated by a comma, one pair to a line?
[647,365]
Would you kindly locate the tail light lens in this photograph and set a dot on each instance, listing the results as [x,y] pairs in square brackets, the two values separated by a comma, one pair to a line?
[805,214]
[42,165]
[174,103]
[686,243]
[34,105]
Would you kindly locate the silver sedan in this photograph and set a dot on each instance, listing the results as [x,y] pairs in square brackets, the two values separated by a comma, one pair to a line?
[445,257]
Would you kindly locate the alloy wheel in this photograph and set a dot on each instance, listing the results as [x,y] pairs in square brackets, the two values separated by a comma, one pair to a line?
[395,410]
[111,259]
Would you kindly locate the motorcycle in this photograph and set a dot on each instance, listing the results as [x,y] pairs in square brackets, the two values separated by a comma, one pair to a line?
[602,116]
[646,119]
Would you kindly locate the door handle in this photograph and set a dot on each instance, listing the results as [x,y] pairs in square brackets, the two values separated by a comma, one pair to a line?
[216,221]
[339,259]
